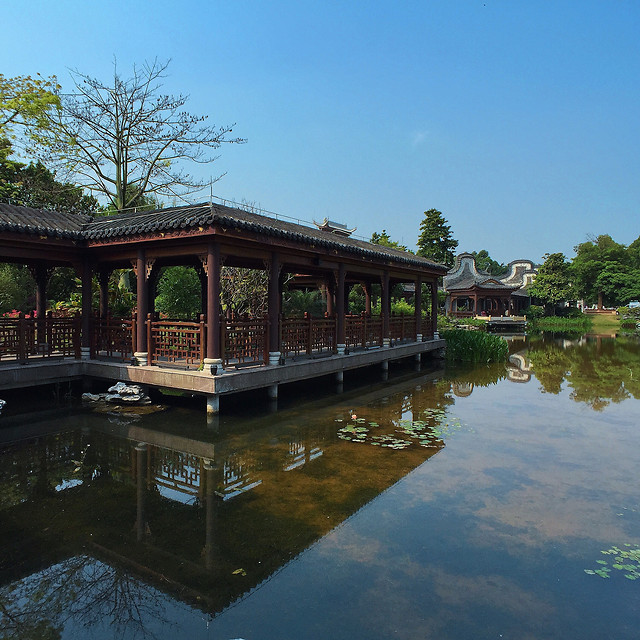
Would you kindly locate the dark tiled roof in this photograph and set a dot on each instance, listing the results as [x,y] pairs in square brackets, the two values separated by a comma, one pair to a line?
[78,226]
[125,224]
[55,224]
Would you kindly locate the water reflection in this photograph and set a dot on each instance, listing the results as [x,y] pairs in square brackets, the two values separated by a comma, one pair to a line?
[597,370]
[127,512]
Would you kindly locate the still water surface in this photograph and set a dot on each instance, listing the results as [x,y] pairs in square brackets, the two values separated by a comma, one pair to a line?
[450,504]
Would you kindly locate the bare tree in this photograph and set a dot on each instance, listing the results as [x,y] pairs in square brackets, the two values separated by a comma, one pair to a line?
[126,140]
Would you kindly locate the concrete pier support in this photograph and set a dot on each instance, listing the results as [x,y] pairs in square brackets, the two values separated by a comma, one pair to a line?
[272,391]
[339,377]
[213,404]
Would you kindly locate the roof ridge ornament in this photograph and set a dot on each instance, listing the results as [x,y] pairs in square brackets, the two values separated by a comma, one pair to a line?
[338,228]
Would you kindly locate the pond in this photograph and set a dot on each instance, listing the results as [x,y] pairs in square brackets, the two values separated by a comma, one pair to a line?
[494,502]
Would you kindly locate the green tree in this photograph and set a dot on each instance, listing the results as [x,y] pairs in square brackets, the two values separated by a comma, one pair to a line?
[33,185]
[179,293]
[484,262]
[552,285]
[598,269]
[435,240]
[25,106]
[384,240]
[124,139]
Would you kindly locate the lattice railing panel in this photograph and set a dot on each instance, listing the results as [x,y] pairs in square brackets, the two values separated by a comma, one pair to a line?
[245,341]
[173,342]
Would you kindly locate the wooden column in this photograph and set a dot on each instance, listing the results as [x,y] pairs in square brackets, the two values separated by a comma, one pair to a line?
[274,309]
[87,275]
[142,297]
[340,310]
[418,309]
[434,307]
[385,308]
[103,281]
[212,269]
[330,290]
[41,275]
[366,287]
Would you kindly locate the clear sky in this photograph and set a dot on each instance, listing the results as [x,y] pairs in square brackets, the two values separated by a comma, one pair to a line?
[519,120]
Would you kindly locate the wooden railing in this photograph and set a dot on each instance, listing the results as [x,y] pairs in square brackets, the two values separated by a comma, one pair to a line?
[245,341]
[426,327]
[178,343]
[171,342]
[363,331]
[112,337]
[402,327]
[307,335]
[26,338]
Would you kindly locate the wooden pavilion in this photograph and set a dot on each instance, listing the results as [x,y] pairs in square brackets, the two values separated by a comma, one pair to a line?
[207,236]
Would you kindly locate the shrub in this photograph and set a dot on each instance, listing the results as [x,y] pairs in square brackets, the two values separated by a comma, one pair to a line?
[534,311]
[475,346]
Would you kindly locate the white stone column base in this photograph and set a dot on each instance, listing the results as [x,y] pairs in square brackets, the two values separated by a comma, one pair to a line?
[142,358]
[274,358]
[85,353]
[419,337]
[436,335]
[210,363]
[340,349]
[386,342]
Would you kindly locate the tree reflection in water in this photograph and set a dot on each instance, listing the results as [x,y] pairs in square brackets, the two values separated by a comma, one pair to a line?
[597,370]
[84,590]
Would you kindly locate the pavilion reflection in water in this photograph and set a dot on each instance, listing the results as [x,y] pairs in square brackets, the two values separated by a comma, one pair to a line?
[93,495]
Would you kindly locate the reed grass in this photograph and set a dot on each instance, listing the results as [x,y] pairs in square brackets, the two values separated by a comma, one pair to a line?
[475,346]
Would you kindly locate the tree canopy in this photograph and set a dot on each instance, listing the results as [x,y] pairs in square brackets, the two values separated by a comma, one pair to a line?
[436,241]
[33,185]
[26,103]
[606,272]
[553,282]
[125,139]
[384,240]
[484,262]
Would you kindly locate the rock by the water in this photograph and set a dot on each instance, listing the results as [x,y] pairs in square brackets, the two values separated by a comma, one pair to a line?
[120,393]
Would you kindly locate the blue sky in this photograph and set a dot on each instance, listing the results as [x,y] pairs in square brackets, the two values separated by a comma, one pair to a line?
[519,120]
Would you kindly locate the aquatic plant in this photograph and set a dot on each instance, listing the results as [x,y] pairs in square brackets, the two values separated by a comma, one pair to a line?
[429,432]
[580,324]
[475,346]
[627,560]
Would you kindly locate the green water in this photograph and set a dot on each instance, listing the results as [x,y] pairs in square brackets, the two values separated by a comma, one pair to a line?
[437,504]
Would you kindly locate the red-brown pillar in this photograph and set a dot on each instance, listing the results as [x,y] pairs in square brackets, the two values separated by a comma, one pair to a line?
[340,310]
[330,290]
[274,309]
[434,307]
[366,287]
[103,281]
[85,342]
[142,296]
[418,309]
[385,309]
[214,347]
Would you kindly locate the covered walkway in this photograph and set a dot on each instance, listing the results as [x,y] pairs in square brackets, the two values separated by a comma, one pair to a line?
[207,237]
